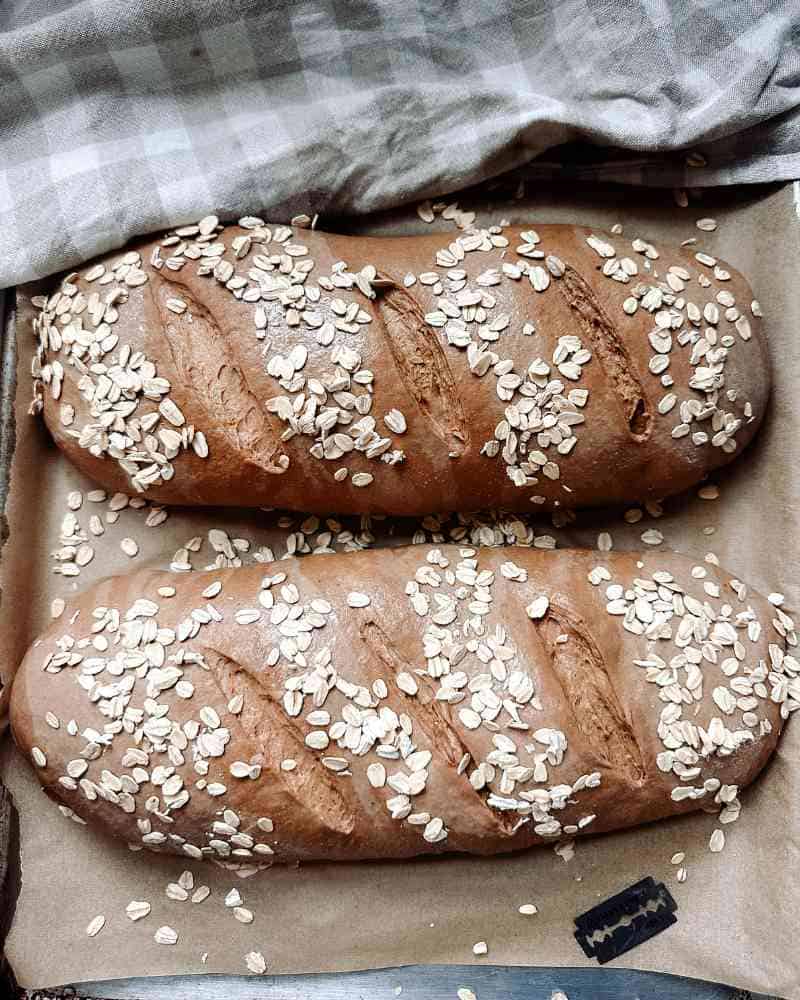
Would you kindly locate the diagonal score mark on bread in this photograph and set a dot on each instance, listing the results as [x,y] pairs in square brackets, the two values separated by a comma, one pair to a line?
[582,674]
[421,364]
[610,351]
[199,351]
[273,732]
[431,717]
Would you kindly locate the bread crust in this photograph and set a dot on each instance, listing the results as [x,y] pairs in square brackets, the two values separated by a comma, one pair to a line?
[513,699]
[293,409]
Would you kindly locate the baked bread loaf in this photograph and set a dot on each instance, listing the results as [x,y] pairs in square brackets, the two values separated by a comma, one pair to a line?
[397,702]
[264,365]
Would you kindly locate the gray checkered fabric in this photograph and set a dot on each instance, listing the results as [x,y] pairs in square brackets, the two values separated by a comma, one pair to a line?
[118,117]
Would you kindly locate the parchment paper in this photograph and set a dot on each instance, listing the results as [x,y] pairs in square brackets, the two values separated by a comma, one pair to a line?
[737,910]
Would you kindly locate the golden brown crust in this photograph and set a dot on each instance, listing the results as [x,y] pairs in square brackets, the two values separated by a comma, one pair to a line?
[399,356]
[555,712]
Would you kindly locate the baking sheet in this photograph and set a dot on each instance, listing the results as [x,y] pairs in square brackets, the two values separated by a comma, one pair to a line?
[736,916]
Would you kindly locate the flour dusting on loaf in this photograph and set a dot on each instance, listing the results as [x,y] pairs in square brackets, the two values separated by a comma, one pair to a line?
[406,701]
[495,367]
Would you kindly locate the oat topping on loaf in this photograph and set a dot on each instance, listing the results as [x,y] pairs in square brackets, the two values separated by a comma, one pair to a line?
[114,380]
[458,699]
[327,399]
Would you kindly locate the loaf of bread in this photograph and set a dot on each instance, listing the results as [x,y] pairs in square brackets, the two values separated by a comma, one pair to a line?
[258,365]
[408,701]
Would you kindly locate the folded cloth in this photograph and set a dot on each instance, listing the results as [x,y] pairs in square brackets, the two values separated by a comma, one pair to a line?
[123,116]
